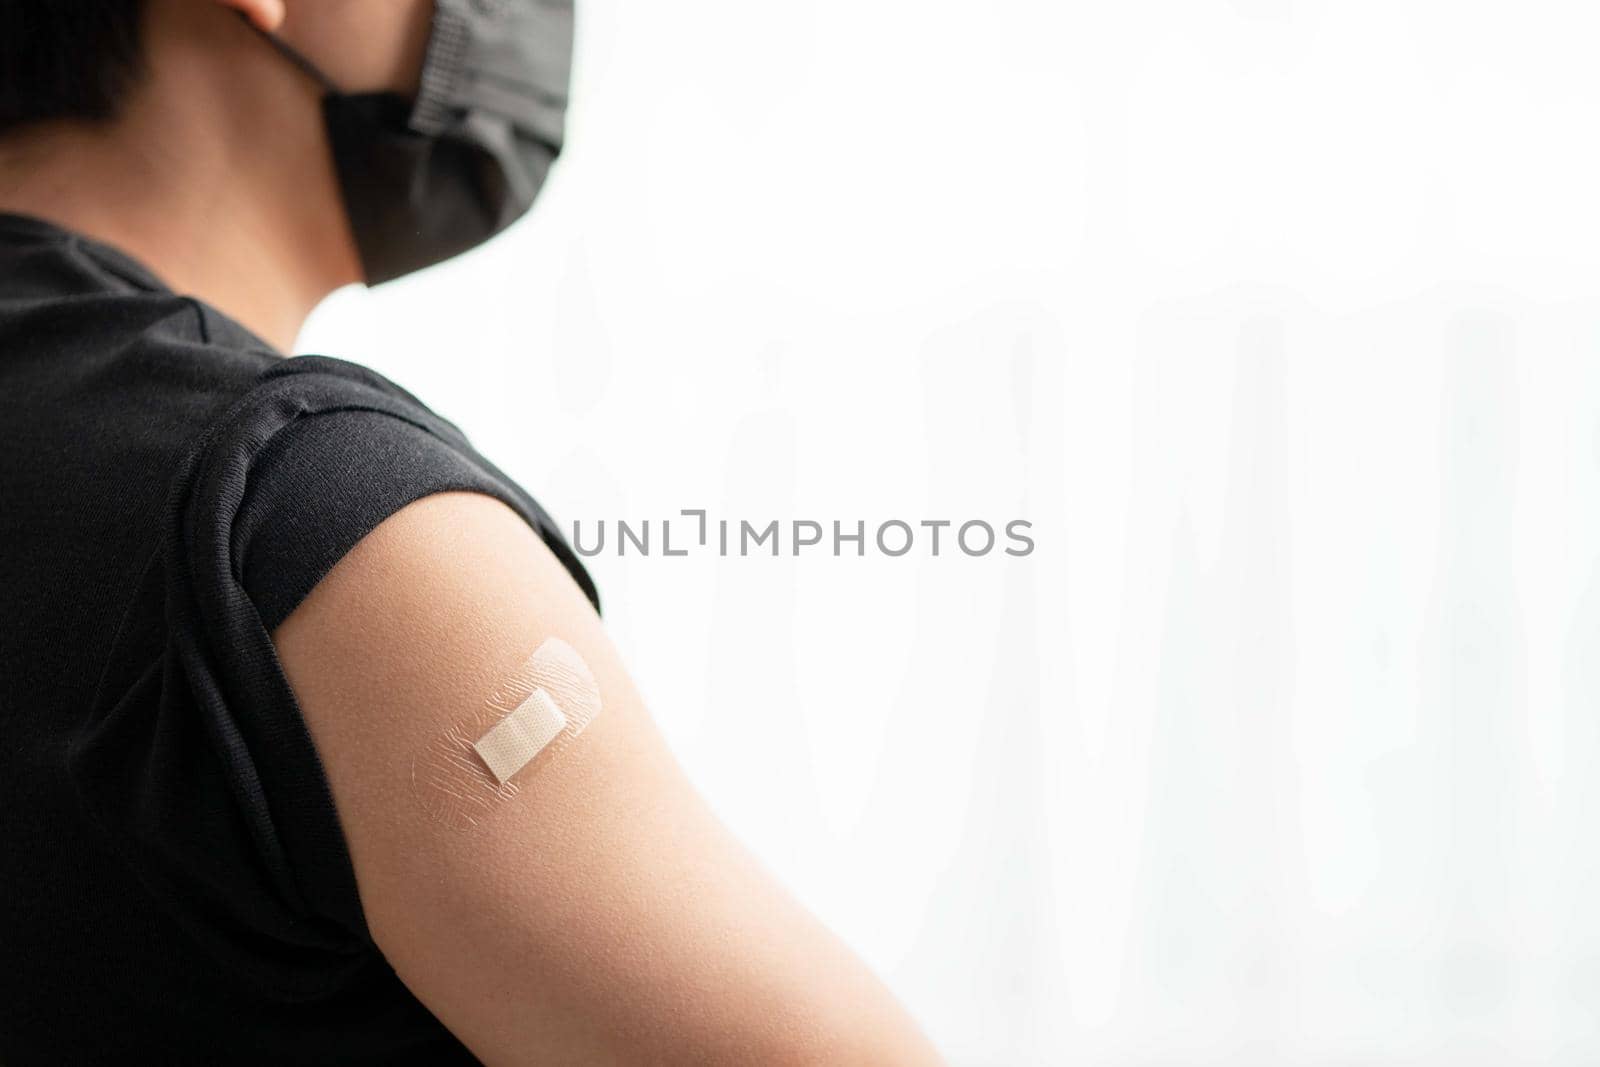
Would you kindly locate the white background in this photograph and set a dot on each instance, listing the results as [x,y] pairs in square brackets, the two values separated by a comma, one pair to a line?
[1277,318]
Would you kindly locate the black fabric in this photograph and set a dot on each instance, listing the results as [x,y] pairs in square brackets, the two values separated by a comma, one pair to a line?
[176,887]
[426,180]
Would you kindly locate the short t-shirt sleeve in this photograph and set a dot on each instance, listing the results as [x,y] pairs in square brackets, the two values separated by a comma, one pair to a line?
[198,761]
[331,477]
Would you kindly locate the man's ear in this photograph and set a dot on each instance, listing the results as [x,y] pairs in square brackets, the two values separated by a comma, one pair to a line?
[264,15]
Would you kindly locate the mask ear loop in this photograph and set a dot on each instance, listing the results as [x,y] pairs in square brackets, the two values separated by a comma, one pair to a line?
[310,69]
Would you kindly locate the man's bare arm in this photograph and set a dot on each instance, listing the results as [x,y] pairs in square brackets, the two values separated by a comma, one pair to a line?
[600,913]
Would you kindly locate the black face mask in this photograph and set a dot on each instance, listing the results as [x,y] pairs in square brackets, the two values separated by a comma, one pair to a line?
[427,179]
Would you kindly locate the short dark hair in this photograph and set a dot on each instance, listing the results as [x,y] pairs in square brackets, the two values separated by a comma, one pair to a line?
[66,58]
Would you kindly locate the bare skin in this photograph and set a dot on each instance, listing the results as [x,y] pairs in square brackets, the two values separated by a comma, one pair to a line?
[603,915]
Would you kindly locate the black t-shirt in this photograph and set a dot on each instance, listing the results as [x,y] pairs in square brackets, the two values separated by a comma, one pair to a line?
[175,885]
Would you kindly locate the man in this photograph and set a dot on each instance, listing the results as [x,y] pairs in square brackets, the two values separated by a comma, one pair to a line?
[312,745]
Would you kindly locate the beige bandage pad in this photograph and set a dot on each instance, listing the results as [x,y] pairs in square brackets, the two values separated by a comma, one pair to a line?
[468,772]
[511,744]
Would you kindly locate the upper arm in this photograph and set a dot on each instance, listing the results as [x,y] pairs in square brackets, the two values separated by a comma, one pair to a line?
[601,913]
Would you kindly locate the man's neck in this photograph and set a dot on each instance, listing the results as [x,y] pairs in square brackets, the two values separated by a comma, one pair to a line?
[241,211]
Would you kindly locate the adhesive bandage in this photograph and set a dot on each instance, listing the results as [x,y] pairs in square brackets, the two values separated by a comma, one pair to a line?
[513,742]
[466,773]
